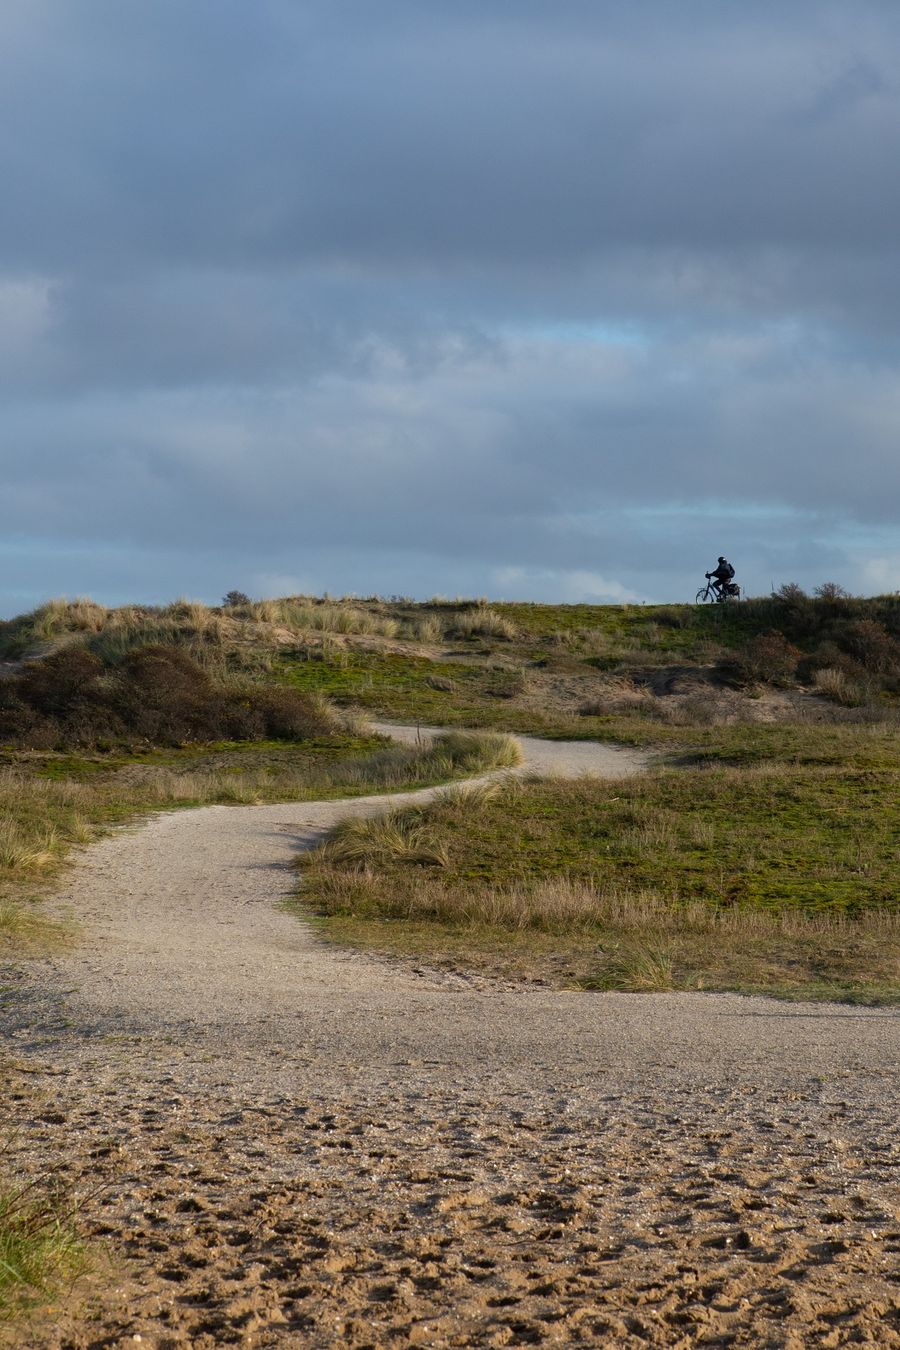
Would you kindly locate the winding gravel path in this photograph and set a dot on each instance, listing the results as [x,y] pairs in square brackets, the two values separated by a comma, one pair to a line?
[184,930]
[310,1147]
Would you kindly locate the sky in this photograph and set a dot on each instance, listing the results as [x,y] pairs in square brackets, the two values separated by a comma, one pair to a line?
[550,301]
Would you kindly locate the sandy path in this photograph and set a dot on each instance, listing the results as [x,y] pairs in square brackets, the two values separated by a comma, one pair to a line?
[308,1147]
[184,925]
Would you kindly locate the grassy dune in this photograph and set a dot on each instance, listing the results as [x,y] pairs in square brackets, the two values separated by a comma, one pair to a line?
[764,857]
[780,878]
[781,715]
[585,670]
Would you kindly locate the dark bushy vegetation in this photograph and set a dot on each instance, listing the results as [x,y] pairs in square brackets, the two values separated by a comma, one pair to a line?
[828,632]
[768,658]
[829,614]
[155,695]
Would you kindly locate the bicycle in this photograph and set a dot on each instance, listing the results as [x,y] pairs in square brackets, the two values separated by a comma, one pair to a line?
[710,594]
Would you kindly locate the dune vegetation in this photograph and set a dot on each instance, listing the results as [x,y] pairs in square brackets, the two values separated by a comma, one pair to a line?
[775,878]
[760,854]
[780,715]
[39,1247]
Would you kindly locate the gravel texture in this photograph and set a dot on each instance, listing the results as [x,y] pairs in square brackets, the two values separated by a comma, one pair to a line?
[279,1143]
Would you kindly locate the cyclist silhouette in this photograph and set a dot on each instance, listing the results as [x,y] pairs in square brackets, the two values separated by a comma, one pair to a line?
[721,576]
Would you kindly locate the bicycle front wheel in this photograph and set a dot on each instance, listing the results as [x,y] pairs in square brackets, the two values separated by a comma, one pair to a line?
[704,594]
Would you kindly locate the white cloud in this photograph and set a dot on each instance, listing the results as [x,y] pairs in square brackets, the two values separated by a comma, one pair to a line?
[590,586]
[274,585]
[882,574]
[572,587]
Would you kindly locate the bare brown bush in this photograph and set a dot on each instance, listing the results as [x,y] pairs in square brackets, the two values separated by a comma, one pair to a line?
[872,645]
[768,658]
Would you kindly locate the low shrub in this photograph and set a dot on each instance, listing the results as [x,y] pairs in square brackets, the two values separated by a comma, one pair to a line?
[768,658]
[157,695]
[831,593]
[873,646]
[289,717]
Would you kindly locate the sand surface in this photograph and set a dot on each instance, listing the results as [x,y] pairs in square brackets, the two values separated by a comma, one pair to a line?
[303,1146]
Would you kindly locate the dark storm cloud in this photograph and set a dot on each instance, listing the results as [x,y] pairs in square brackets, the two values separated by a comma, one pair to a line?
[480,289]
[433,135]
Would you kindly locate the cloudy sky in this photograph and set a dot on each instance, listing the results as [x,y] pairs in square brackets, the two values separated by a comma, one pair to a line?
[549,300]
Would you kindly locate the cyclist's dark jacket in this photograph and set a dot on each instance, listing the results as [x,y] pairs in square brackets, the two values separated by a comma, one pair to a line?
[724,572]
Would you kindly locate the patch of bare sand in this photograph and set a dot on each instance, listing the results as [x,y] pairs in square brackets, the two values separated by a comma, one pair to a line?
[686,695]
[284,1144]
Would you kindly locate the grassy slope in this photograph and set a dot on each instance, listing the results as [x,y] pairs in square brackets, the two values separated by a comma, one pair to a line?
[480,680]
[807,825]
[513,683]
[821,776]
[814,839]
[779,878]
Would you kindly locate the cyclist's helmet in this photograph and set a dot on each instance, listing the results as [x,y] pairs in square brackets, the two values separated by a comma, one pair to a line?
[721,559]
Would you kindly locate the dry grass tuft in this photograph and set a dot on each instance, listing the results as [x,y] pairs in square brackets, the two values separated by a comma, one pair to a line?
[68,616]
[478,751]
[837,685]
[393,838]
[472,796]
[30,850]
[640,968]
[481,621]
[25,933]
[301,615]
[428,629]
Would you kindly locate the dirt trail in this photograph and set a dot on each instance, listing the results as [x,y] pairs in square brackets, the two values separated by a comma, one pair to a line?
[309,1147]
[184,929]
